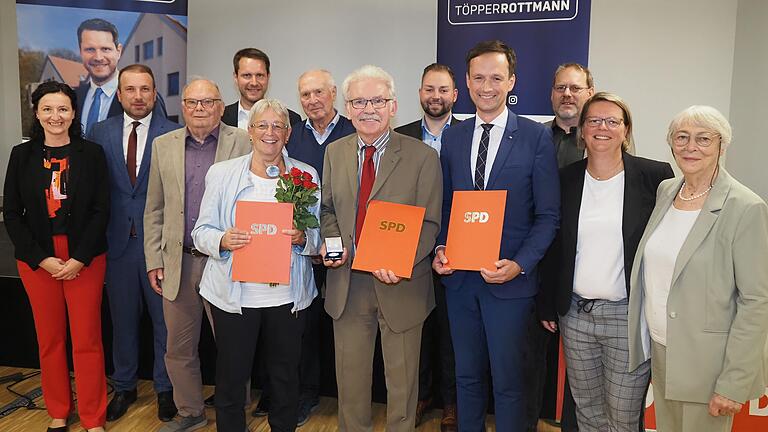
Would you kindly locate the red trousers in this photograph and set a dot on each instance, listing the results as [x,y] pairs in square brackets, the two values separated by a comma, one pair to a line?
[79,299]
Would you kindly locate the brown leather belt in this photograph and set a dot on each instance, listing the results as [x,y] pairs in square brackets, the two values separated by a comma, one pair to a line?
[192,251]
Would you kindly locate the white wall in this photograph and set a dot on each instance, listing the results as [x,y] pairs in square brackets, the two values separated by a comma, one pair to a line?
[342,35]
[748,157]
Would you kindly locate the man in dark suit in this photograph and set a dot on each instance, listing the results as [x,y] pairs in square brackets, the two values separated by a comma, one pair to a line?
[437,95]
[127,141]
[490,310]
[251,77]
[100,51]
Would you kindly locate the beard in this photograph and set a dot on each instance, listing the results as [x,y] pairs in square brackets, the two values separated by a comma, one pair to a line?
[436,110]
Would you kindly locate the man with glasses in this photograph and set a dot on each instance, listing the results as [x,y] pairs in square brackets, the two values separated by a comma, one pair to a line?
[490,310]
[571,87]
[251,76]
[180,161]
[377,164]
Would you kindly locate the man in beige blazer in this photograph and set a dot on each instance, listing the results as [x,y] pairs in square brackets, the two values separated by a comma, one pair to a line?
[408,172]
[180,160]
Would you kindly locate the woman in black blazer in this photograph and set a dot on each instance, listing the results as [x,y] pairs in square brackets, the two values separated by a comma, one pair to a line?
[56,208]
[606,200]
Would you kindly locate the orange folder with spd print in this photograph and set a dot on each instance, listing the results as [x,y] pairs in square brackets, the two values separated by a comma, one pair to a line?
[267,258]
[389,238]
[474,231]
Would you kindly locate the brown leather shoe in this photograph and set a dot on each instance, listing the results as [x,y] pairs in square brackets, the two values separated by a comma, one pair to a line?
[421,408]
[448,422]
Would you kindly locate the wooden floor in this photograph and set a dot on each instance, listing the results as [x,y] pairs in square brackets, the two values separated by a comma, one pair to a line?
[142,416]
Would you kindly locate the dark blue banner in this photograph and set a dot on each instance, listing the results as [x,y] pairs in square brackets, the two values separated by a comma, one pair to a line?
[544,34]
[170,7]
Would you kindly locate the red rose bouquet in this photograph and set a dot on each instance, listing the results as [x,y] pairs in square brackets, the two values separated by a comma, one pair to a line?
[297,187]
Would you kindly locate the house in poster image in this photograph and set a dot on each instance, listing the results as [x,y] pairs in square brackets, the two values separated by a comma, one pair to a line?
[63,70]
[160,42]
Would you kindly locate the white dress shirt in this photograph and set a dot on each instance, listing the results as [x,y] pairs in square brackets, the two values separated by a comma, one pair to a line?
[141,137]
[496,134]
[242,117]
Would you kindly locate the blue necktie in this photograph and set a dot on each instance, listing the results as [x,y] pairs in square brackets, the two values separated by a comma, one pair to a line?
[482,155]
[93,114]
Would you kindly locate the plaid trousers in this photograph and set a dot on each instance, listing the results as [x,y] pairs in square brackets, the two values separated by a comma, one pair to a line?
[595,342]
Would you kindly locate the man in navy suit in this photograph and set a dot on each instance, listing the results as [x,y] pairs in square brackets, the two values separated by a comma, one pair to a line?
[127,141]
[490,310]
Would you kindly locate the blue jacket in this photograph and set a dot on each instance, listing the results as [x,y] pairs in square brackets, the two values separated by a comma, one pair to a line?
[127,201]
[526,167]
[224,184]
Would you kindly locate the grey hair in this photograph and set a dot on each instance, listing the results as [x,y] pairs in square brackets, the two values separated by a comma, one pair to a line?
[369,72]
[266,104]
[195,78]
[703,116]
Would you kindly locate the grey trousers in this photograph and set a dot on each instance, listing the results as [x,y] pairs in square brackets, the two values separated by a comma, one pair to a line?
[678,416]
[183,318]
[595,343]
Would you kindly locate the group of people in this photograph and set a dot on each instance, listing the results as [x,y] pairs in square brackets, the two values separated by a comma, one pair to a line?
[643,274]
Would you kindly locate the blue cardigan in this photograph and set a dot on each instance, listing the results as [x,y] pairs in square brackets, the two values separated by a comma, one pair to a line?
[303,146]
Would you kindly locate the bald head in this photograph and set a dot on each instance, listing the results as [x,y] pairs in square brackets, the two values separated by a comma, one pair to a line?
[317,92]
[201,107]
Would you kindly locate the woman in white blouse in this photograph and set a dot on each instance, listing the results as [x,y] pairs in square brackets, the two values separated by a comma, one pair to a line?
[243,312]
[606,200]
[699,308]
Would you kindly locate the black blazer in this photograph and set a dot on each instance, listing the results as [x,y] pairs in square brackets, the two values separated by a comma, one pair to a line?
[413,129]
[230,115]
[641,179]
[26,213]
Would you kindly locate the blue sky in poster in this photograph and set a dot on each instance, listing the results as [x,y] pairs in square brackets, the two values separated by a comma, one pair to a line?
[56,27]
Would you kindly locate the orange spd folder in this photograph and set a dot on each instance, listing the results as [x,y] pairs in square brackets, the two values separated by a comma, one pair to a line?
[474,231]
[389,238]
[267,258]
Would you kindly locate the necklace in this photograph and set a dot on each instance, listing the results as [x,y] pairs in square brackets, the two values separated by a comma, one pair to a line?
[611,173]
[273,171]
[692,197]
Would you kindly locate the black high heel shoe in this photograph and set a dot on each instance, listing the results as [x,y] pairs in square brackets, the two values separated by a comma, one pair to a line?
[58,429]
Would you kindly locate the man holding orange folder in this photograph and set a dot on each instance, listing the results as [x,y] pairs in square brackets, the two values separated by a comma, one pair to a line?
[489,310]
[376,163]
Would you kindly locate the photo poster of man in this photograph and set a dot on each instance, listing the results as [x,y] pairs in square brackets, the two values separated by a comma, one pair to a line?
[153,33]
[544,34]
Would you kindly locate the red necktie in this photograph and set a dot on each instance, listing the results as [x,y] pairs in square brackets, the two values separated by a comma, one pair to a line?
[130,159]
[366,184]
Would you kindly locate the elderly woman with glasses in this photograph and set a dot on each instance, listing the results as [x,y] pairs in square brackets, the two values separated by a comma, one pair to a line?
[606,200]
[699,308]
[245,312]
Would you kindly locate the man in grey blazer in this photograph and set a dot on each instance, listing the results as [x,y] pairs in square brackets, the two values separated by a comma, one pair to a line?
[377,164]
[180,160]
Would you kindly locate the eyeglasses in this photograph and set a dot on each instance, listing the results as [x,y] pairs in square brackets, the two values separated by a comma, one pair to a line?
[610,122]
[361,103]
[573,88]
[206,103]
[703,139]
[264,126]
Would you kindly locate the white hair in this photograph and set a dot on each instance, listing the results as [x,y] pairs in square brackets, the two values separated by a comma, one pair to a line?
[702,116]
[266,104]
[369,72]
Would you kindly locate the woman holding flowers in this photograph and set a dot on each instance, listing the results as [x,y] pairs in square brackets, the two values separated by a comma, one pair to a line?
[246,312]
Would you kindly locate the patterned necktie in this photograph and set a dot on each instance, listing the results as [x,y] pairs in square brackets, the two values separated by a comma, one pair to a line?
[366,184]
[130,158]
[482,155]
[93,113]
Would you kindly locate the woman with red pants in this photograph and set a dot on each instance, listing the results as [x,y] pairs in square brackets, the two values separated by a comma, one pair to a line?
[56,200]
